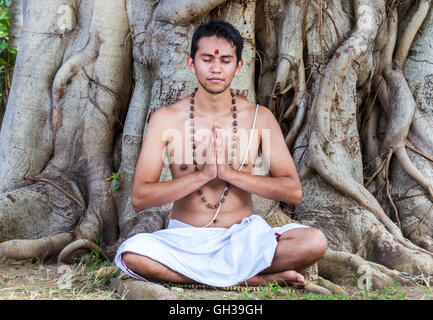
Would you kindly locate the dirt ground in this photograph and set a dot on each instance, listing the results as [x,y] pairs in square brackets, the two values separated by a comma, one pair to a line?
[88,280]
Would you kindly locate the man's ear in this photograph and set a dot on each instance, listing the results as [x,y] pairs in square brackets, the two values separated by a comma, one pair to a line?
[190,63]
[239,67]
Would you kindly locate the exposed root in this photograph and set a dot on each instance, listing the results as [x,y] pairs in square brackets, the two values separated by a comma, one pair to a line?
[320,7]
[423,241]
[338,266]
[182,12]
[379,169]
[297,122]
[290,52]
[382,247]
[77,192]
[420,223]
[67,253]
[419,152]
[140,290]
[301,100]
[64,75]
[72,197]
[347,185]
[410,32]
[324,287]
[388,190]
[396,92]
[32,249]
[74,65]
[316,289]
[352,49]
[139,14]
[413,171]
[370,141]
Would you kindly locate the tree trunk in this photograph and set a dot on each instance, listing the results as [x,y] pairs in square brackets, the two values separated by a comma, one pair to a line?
[349,81]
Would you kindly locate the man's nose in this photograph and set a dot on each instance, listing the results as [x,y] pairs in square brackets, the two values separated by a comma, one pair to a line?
[216,67]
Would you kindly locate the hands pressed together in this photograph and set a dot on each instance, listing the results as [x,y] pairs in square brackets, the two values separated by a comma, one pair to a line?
[215,165]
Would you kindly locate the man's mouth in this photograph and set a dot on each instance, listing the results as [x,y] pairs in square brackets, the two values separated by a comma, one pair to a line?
[215,80]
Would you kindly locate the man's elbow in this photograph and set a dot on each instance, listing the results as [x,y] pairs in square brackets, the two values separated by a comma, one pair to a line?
[296,196]
[137,203]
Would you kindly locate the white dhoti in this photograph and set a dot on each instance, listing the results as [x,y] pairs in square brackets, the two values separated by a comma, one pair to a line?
[218,257]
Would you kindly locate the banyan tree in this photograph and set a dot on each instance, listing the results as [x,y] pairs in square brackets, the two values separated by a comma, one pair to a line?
[350,82]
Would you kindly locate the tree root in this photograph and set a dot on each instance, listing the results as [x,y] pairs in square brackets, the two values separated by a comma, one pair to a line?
[410,32]
[139,14]
[66,255]
[352,49]
[413,171]
[72,197]
[32,249]
[347,185]
[324,287]
[74,65]
[420,239]
[399,104]
[182,12]
[301,100]
[290,51]
[140,290]
[338,265]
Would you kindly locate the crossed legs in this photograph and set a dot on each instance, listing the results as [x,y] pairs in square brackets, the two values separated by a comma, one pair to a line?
[296,250]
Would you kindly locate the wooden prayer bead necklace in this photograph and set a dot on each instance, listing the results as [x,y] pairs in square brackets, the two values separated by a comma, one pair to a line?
[233,153]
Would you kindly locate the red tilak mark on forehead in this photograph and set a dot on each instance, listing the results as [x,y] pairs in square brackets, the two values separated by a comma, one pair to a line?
[216,51]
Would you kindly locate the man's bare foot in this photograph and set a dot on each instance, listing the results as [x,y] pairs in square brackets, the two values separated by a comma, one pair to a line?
[290,277]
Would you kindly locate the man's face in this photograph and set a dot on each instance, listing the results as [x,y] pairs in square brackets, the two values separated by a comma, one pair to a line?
[215,64]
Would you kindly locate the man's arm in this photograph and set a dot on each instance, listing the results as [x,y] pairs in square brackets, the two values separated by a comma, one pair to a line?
[147,191]
[283,184]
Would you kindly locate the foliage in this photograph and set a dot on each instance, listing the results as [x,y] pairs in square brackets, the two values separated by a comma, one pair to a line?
[7,55]
[116,180]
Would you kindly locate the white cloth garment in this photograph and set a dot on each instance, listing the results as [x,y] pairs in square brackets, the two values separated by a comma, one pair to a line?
[218,257]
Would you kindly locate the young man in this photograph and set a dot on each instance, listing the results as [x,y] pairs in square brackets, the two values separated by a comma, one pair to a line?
[213,236]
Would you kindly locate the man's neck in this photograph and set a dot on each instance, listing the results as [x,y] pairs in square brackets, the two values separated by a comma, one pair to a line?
[212,104]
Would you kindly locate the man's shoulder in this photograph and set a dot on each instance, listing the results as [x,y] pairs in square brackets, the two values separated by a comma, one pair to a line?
[166,114]
[264,116]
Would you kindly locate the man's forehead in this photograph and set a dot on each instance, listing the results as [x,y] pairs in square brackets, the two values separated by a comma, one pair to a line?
[214,46]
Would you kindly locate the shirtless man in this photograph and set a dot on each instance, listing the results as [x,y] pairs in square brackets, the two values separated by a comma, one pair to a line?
[199,181]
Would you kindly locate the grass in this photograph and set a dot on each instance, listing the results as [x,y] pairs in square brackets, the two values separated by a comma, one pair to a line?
[273,291]
[88,280]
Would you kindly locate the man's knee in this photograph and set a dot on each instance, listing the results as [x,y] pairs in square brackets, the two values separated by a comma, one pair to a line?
[318,242]
[136,262]
[129,259]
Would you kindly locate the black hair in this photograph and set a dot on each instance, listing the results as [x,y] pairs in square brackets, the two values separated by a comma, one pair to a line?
[220,29]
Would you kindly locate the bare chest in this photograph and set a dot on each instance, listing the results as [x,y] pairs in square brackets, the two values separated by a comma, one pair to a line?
[189,143]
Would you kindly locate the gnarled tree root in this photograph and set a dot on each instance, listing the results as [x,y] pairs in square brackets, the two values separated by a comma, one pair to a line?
[140,290]
[66,256]
[338,265]
[31,249]
[324,287]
